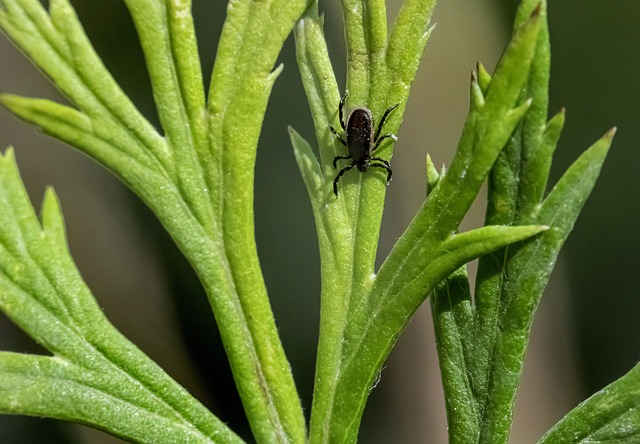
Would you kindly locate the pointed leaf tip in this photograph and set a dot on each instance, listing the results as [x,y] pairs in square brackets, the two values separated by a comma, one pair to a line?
[307,163]
[8,153]
[519,111]
[536,12]
[273,75]
[483,76]
[558,117]
[52,218]
[464,247]
[432,175]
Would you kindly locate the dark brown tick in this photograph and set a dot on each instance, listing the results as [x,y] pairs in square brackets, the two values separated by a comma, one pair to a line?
[360,140]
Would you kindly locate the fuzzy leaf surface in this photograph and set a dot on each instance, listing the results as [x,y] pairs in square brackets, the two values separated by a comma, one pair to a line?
[197,174]
[611,415]
[95,375]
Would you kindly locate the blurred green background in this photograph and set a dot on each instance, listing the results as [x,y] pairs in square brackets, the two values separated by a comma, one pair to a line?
[585,334]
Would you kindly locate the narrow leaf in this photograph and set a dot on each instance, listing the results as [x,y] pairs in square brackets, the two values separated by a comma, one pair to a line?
[215,234]
[511,73]
[371,330]
[536,166]
[525,278]
[99,139]
[168,42]
[413,268]
[452,318]
[319,82]
[484,78]
[241,82]
[59,47]
[516,178]
[463,248]
[432,175]
[408,40]
[610,416]
[95,376]
[564,202]
[50,387]
[308,165]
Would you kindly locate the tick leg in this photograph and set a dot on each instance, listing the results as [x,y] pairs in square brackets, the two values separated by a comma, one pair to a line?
[342,171]
[384,117]
[381,160]
[333,130]
[341,108]
[386,167]
[381,138]
[335,159]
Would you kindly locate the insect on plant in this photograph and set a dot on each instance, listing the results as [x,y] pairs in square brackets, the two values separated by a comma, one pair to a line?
[360,140]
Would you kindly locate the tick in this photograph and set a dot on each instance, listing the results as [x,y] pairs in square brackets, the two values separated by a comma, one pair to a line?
[361,140]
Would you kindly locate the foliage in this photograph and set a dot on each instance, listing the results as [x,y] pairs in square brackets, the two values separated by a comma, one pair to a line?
[197,177]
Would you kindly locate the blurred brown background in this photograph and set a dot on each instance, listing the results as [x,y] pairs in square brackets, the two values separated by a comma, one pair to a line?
[585,334]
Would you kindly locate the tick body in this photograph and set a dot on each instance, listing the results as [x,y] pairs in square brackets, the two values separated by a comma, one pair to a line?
[361,140]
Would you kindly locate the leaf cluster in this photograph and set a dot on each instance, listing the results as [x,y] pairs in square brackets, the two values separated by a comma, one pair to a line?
[197,176]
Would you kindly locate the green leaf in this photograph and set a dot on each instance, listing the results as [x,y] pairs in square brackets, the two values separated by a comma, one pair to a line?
[455,191]
[309,167]
[95,376]
[462,248]
[612,415]
[516,179]
[432,175]
[241,82]
[484,78]
[198,178]
[59,47]
[522,281]
[373,329]
[366,38]
[567,197]
[510,282]
[44,386]
[319,83]
[167,36]
[452,313]
[482,359]
[349,226]
[99,139]
[407,42]
[535,167]
[353,347]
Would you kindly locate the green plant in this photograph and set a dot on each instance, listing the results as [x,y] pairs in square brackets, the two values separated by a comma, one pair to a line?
[198,179]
